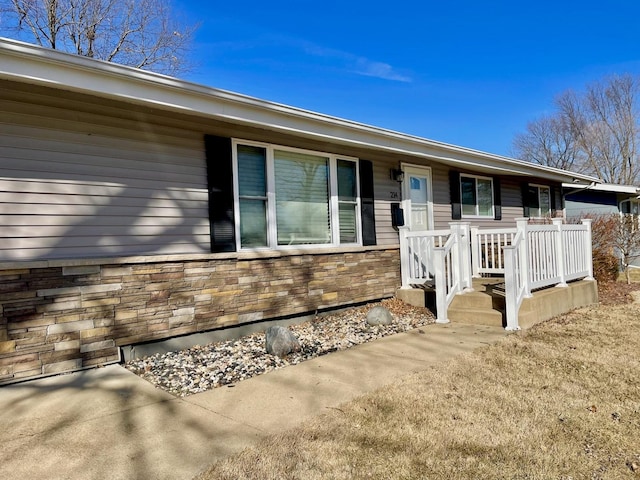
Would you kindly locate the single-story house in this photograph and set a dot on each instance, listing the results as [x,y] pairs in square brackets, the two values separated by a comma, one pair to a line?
[600,199]
[136,207]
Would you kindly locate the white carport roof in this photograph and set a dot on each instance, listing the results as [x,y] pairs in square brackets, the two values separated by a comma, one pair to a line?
[30,64]
[605,187]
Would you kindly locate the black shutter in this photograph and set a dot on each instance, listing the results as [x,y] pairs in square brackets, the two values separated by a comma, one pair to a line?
[553,204]
[497,199]
[366,203]
[525,199]
[220,185]
[454,192]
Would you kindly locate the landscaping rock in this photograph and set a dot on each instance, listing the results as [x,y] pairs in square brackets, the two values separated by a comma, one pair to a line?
[379,316]
[281,342]
[225,363]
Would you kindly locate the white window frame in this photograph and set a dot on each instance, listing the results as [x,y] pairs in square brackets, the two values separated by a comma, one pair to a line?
[477,206]
[541,215]
[272,233]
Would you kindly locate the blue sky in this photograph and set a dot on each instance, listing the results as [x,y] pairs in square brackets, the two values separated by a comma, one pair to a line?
[463,72]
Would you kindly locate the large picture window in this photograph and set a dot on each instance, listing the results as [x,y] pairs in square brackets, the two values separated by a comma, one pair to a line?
[476,194]
[302,198]
[291,197]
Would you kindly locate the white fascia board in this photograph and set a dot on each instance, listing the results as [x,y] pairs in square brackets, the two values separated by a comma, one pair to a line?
[607,187]
[27,63]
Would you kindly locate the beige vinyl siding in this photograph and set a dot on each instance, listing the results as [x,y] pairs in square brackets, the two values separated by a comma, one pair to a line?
[87,185]
[385,189]
[441,197]
[511,199]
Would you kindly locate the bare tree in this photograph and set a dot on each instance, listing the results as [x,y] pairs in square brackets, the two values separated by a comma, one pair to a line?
[550,141]
[626,240]
[137,33]
[595,132]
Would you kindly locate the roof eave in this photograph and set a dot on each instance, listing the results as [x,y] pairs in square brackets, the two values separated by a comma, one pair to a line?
[37,65]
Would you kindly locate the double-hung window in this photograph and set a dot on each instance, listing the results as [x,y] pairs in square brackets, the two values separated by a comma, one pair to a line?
[539,201]
[476,195]
[292,197]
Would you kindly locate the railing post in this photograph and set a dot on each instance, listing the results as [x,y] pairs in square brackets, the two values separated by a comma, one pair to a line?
[511,286]
[475,253]
[405,258]
[454,262]
[588,247]
[560,253]
[462,230]
[521,225]
[441,286]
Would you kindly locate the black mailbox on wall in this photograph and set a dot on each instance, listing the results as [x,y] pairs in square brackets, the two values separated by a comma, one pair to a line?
[397,215]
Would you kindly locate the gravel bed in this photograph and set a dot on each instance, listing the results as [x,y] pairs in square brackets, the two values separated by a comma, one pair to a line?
[224,363]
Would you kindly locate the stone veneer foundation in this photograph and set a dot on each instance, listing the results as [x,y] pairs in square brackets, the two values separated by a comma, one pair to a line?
[62,316]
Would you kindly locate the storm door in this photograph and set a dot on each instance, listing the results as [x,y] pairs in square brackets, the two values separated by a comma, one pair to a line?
[417,200]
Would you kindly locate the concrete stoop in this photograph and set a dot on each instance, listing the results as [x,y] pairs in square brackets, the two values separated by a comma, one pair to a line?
[477,308]
[486,304]
[554,301]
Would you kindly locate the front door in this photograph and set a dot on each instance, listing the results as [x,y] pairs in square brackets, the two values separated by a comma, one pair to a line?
[416,197]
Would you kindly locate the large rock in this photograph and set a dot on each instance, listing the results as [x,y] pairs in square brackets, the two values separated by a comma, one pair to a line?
[379,316]
[280,341]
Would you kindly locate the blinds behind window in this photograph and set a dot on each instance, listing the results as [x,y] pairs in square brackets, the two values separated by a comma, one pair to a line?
[302,198]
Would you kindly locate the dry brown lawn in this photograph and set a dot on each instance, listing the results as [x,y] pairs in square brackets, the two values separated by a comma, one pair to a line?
[559,401]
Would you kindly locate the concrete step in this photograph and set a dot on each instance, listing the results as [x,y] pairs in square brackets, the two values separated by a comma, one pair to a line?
[487,284]
[476,316]
[475,299]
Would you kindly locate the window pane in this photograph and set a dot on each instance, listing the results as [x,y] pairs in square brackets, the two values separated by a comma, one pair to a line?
[347,198]
[347,218]
[418,189]
[347,180]
[545,202]
[468,194]
[302,198]
[251,171]
[485,197]
[253,223]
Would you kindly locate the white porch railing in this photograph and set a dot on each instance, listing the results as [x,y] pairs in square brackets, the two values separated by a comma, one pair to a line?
[529,257]
[487,249]
[544,256]
[443,256]
[416,259]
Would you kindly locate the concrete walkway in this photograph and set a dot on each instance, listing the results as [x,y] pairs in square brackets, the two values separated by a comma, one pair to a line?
[108,423]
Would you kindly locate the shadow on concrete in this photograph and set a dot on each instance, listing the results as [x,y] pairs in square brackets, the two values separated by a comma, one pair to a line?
[107,423]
